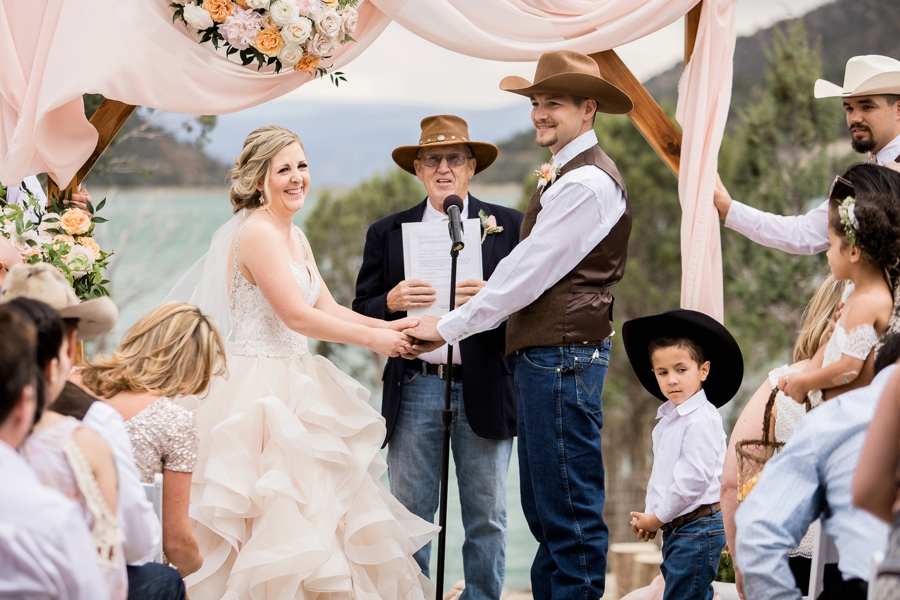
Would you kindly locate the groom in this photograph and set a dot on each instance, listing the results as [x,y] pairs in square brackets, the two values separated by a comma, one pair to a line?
[555,289]
[483,398]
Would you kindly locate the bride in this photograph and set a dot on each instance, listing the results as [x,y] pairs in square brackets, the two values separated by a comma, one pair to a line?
[286,500]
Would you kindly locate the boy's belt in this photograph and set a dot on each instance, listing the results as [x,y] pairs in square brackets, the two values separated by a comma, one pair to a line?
[703,511]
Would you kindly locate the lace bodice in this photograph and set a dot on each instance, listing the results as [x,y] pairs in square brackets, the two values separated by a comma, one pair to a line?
[257,329]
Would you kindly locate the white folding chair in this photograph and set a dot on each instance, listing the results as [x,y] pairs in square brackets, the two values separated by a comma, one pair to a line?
[154,495]
[824,552]
[877,559]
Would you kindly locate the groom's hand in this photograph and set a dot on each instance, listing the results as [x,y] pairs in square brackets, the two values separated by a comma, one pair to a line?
[426,336]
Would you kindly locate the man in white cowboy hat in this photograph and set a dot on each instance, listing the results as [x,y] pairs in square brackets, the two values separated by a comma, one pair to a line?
[87,320]
[555,289]
[871,94]
[483,396]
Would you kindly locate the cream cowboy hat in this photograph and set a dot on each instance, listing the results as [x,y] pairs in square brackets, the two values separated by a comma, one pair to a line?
[47,284]
[445,130]
[864,76]
[574,74]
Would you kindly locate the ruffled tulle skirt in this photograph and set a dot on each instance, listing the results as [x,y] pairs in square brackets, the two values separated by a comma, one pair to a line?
[286,500]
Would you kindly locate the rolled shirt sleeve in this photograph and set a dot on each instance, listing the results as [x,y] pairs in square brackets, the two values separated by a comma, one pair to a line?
[801,234]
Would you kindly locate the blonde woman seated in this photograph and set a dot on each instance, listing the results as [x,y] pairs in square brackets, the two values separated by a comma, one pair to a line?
[173,350]
[69,457]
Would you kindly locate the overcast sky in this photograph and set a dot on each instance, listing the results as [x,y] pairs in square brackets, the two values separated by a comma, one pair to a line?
[430,75]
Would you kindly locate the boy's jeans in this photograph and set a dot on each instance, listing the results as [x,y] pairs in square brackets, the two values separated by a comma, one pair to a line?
[691,558]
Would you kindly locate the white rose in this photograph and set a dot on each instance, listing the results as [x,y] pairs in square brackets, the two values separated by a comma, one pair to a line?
[197,17]
[320,45]
[257,3]
[79,260]
[290,56]
[20,246]
[268,22]
[284,12]
[329,24]
[297,32]
[44,226]
[349,19]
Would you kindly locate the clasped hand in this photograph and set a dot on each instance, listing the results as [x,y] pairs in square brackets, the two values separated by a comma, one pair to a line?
[795,386]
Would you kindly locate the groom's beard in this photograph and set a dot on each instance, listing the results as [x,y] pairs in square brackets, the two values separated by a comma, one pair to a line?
[862,145]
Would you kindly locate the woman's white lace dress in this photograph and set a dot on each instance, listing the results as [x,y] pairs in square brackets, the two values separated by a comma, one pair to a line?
[286,500]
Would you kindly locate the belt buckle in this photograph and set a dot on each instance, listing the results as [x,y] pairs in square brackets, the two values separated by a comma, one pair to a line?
[441,373]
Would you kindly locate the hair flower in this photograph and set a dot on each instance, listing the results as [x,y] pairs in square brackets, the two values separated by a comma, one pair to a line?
[847,213]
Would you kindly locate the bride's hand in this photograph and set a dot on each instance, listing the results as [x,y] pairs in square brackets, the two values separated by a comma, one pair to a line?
[401,324]
[389,342]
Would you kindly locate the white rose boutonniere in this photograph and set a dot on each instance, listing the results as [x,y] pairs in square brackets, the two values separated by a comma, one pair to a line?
[488,224]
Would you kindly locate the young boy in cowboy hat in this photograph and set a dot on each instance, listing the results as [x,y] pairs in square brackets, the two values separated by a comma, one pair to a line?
[670,355]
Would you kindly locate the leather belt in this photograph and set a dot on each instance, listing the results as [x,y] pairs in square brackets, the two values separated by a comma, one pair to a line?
[455,371]
[703,511]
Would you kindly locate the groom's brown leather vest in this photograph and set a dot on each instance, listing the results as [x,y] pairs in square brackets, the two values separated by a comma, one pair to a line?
[578,308]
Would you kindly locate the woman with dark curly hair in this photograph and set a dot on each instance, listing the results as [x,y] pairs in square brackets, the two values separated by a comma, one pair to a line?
[864,237]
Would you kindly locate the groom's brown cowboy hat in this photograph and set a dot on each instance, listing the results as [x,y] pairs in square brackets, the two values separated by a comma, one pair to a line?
[573,74]
[445,130]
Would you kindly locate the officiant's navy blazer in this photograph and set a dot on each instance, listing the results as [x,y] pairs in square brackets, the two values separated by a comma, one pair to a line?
[488,389]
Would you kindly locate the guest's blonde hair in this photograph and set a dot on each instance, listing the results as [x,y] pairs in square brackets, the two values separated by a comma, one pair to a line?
[173,350]
[818,318]
[253,166]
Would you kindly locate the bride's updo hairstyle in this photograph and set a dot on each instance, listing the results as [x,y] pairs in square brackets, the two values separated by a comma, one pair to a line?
[253,166]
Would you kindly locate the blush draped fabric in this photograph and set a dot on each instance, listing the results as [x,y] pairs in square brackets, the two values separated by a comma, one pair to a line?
[52,51]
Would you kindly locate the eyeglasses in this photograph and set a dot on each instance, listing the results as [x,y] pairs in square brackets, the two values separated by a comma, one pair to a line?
[840,188]
[453,160]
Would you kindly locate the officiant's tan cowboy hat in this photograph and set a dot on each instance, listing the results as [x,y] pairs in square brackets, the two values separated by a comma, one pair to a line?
[445,130]
[573,74]
[46,283]
[864,76]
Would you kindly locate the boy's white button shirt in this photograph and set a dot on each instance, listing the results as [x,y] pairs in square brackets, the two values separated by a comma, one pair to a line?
[688,454]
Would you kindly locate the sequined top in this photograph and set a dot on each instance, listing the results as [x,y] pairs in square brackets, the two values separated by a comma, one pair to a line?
[163,436]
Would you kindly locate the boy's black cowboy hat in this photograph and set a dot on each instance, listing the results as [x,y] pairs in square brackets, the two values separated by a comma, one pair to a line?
[719,348]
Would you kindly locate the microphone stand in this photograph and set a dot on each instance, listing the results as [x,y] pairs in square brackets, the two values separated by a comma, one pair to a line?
[446,419]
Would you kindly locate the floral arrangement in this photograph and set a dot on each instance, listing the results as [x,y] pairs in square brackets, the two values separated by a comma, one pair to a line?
[846,211]
[546,174]
[62,235]
[488,224]
[286,34]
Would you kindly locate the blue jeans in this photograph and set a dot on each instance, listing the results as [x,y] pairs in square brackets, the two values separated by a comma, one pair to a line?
[691,558]
[154,581]
[561,467]
[414,471]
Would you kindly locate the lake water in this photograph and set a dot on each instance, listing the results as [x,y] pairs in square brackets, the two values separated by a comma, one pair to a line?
[158,233]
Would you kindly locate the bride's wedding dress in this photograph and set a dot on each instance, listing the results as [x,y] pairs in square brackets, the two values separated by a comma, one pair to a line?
[286,500]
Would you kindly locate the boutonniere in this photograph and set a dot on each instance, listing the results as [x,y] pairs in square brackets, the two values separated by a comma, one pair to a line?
[547,174]
[489,224]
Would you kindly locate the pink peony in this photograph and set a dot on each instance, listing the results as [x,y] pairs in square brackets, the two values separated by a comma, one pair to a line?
[240,28]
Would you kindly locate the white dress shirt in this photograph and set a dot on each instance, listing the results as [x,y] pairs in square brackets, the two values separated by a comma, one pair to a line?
[688,454]
[143,531]
[439,356]
[577,212]
[802,234]
[46,550]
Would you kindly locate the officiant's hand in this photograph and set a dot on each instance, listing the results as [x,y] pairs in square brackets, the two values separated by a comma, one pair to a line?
[415,293]
[466,289]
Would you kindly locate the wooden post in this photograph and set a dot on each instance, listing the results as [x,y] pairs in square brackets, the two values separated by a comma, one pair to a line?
[107,120]
[691,25]
[647,116]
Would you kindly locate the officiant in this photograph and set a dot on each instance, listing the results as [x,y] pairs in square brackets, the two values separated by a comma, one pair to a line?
[483,395]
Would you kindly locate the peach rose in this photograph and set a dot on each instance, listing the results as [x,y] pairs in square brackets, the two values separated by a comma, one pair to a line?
[91,245]
[241,3]
[269,42]
[307,63]
[75,221]
[219,10]
[330,3]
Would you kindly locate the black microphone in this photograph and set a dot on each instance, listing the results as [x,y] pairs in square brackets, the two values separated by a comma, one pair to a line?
[453,204]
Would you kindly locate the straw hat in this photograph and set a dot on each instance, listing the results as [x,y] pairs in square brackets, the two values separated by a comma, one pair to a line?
[864,76]
[574,74]
[445,130]
[46,283]
[719,347]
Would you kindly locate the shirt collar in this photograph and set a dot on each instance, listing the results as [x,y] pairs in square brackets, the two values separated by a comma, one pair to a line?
[433,214]
[889,153]
[685,408]
[586,140]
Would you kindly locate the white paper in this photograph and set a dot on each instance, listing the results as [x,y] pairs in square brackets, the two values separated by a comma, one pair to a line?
[426,256]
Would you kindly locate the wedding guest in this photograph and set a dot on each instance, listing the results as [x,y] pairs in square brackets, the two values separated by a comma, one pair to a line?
[811,479]
[871,94]
[814,333]
[85,320]
[483,394]
[71,458]
[694,365]
[172,351]
[554,287]
[45,548]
